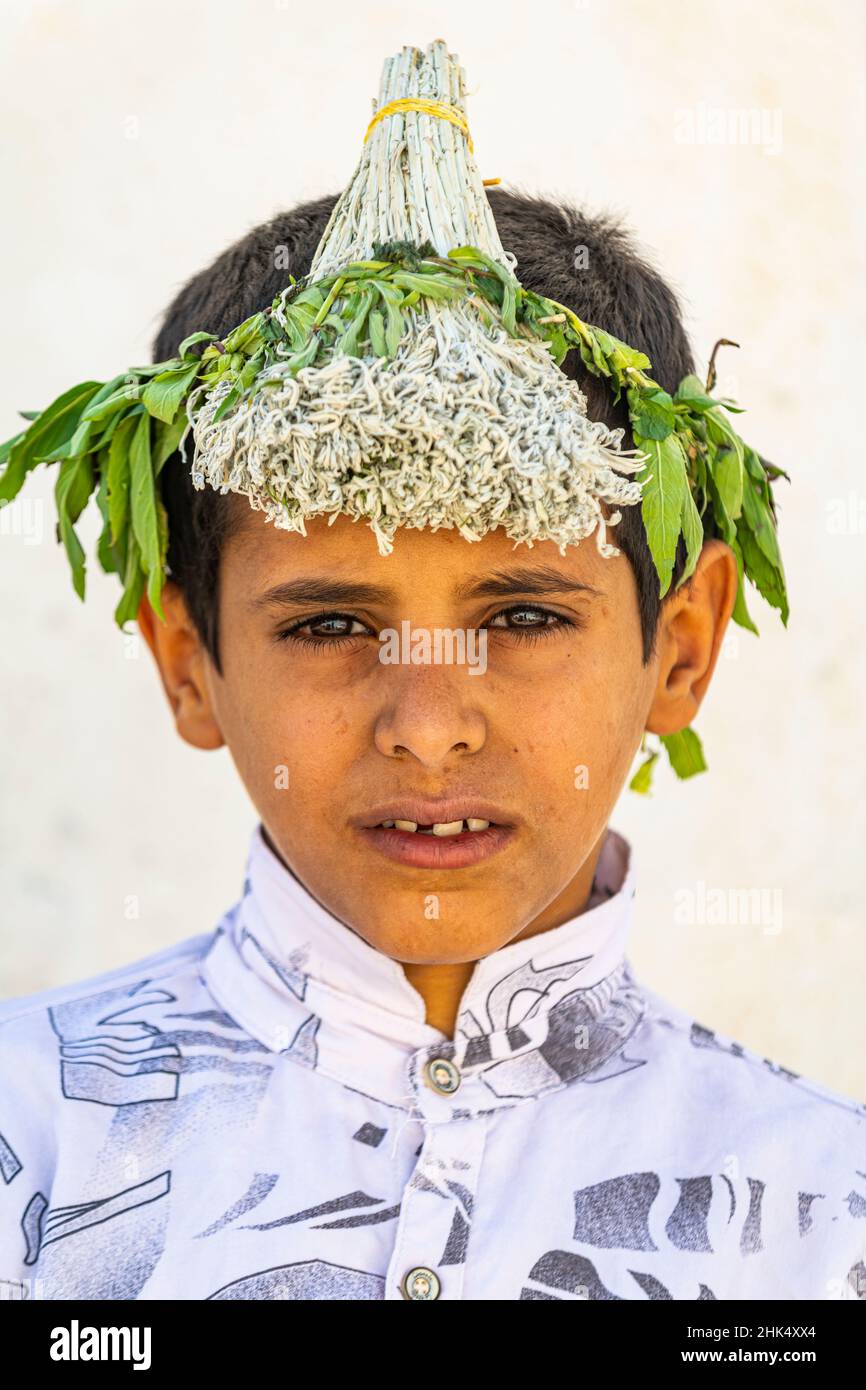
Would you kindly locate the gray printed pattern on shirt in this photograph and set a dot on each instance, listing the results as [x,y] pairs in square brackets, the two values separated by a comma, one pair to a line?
[170,1069]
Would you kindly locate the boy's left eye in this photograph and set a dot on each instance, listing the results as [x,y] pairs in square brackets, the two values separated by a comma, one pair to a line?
[541,620]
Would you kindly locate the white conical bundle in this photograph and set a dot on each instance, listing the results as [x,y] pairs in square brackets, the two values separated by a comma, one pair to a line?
[466,426]
[417,179]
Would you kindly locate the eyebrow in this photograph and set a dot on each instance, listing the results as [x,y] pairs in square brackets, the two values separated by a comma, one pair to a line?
[523,579]
[526,579]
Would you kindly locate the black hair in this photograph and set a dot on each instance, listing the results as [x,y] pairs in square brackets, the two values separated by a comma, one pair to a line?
[588,262]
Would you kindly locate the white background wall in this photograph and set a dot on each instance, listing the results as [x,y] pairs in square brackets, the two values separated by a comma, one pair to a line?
[141,138]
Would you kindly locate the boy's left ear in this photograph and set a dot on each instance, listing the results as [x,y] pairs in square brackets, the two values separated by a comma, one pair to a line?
[692,624]
[182,662]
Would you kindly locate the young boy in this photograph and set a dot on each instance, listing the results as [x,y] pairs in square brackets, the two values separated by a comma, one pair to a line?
[413,1060]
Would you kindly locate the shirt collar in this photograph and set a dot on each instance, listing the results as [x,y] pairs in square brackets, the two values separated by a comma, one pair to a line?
[535,1015]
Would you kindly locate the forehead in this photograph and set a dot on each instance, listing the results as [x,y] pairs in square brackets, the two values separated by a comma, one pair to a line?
[258,554]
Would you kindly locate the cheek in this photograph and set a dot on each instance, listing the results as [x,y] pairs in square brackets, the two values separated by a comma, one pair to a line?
[590,721]
[283,741]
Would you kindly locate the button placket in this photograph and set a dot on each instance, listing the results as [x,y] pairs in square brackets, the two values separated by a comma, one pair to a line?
[433,1238]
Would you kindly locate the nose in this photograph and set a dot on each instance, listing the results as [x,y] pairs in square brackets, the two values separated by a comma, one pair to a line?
[430,713]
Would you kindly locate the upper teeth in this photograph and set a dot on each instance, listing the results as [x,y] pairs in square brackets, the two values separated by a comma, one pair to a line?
[451,827]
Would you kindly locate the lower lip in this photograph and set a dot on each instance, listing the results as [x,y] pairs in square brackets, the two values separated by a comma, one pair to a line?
[439,851]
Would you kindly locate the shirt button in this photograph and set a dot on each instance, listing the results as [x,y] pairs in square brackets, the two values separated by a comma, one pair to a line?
[442,1075]
[421,1283]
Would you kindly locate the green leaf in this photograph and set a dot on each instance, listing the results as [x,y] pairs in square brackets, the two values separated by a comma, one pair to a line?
[624,358]
[773,471]
[740,613]
[351,339]
[756,470]
[120,391]
[162,396]
[442,287]
[251,369]
[245,335]
[727,463]
[728,474]
[394,315]
[49,432]
[509,309]
[554,334]
[114,404]
[652,413]
[72,490]
[183,350]
[470,258]
[642,780]
[312,296]
[377,333]
[691,392]
[105,550]
[684,752]
[723,523]
[108,554]
[601,353]
[118,475]
[693,531]
[110,425]
[697,472]
[156,578]
[83,441]
[334,322]
[758,516]
[492,291]
[154,368]
[7,447]
[134,581]
[662,500]
[230,400]
[298,323]
[305,358]
[143,496]
[765,576]
[361,269]
[597,355]
[167,440]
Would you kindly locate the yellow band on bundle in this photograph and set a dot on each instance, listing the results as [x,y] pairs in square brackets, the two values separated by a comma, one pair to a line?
[428,108]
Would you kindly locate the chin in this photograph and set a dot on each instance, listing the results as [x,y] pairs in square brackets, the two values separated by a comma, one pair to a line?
[435,942]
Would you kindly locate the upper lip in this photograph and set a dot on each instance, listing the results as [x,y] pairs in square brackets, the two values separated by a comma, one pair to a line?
[425,810]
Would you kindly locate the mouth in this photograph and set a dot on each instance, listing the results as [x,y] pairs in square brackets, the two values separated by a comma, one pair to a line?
[472,825]
[453,833]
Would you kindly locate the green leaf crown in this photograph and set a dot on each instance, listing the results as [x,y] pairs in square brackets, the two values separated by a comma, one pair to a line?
[112,439]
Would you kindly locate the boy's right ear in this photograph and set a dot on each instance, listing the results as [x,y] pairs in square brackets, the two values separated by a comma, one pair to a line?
[183,666]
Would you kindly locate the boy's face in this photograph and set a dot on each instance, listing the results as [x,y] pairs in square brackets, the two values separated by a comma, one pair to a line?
[532,726]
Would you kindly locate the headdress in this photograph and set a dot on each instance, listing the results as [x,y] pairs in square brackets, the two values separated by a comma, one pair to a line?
[409,380]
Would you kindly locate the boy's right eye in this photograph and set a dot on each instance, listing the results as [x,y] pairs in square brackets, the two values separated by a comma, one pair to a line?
[329,629]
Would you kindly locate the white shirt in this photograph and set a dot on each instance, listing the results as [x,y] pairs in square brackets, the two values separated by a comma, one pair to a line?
[261,1112]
